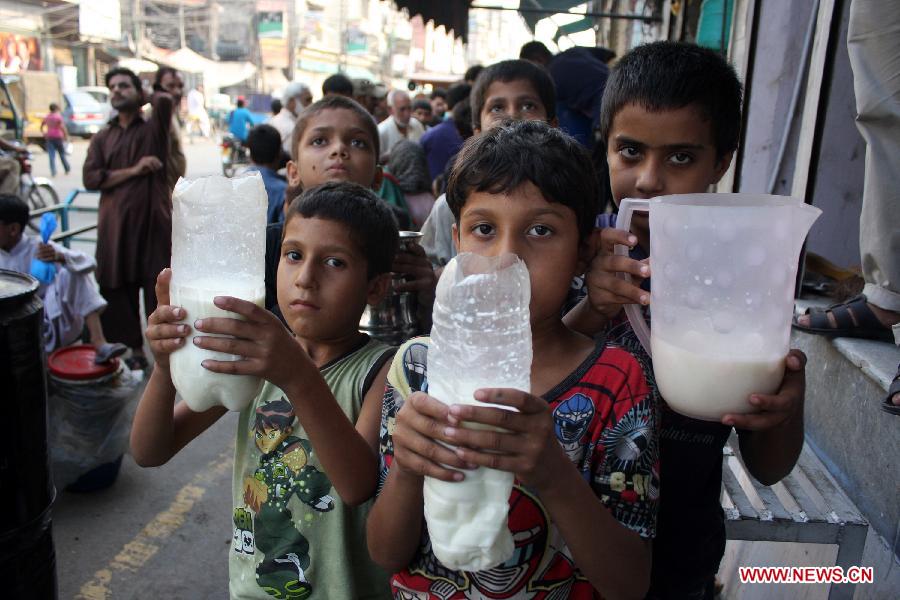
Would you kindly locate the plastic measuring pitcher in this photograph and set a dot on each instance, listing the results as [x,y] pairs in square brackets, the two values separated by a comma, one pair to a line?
[218,249]
[724,269]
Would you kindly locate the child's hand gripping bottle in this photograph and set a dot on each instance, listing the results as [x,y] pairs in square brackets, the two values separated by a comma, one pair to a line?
[481,337]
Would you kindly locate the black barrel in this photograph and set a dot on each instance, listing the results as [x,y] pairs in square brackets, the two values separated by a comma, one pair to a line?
[27,558]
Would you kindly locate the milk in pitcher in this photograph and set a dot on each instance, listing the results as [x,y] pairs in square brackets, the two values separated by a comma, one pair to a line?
[201,388]
[707,386]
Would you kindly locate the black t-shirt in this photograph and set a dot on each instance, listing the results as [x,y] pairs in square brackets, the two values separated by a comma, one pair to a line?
[690,534]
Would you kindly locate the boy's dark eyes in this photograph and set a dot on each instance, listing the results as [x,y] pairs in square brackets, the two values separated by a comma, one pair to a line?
[293,255]
[319,141]
[334,262]
[681,158]
[359,143]
[629,152]
[483,229]
[540,230]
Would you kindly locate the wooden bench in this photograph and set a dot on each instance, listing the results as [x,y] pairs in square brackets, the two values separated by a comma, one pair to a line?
[805,507]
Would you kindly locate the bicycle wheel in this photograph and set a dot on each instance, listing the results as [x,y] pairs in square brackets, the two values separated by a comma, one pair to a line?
[40,196]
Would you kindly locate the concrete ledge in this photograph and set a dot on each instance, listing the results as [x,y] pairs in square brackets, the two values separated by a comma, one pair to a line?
[857,441]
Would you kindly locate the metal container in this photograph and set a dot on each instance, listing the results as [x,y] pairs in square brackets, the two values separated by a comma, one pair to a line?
[27,558]
[394,320]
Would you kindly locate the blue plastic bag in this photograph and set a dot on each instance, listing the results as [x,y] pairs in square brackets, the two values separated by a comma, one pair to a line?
[40,270]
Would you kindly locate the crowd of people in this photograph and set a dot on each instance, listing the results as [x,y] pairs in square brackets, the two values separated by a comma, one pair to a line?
[616,495]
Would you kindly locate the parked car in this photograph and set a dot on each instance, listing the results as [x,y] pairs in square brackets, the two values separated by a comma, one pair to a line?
[83,115]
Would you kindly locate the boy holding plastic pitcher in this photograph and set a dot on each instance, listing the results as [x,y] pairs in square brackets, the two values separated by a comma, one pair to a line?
[671,120]
[307,445]
[582,445]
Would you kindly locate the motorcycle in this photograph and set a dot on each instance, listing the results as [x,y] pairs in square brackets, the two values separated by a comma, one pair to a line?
[233,154]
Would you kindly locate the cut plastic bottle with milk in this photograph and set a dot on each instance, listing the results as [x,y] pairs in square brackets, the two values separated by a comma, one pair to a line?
[218,249]
[480,338]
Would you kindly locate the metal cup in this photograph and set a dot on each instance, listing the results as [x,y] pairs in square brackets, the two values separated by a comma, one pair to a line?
[394,320]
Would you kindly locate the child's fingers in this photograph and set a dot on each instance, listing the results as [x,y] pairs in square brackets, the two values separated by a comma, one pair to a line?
[228,326]
[490,440]
[162,286]
[624,264]
[231,367]
[410,442]
[755,422]
[608,288]
[166,313]
[424,405]
[166,345]
[229,345]
[491,459]
[165,331]
[610,236]
[242,307]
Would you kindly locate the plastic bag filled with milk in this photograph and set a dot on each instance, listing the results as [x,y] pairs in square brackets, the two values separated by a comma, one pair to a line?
[481,337]
[218,249]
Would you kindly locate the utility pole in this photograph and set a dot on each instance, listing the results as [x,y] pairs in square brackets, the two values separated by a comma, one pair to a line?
[181,37]
[291,38]
[342,37]
[137,19]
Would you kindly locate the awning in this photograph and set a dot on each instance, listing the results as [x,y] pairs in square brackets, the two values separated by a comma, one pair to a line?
[452,14]
[556,6]
[216,74]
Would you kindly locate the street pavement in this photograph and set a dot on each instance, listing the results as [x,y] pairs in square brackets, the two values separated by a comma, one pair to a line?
[156,533]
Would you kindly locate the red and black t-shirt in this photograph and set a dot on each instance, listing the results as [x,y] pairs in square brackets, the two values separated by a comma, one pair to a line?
[605,419]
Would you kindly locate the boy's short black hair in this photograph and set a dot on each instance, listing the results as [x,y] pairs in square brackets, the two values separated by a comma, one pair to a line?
[462,118]
[421,104]
[54,106]
[13,210]
[275,106]
[457,93]
[512,70]
[338,84]
[240,103]
[264,143]
[438,93]
[367,217]
[160,74]
[535,51]
[503,158]
[473,72]
[334,102]
[135,80]
[671,75]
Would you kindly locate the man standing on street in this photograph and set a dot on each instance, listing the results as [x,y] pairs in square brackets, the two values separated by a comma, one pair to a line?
[127,161]
[295,98]
[400,125]
[168,80]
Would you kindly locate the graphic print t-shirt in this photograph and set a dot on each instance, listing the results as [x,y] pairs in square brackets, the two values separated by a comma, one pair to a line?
[293,536]
[605,419]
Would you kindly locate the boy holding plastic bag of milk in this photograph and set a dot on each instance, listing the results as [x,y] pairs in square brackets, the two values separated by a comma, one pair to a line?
[671,119]
[582,446]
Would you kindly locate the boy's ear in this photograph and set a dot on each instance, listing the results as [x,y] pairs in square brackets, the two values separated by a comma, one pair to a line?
[378,288]
[454,230]
[293,174]
[722,166]
[379,177]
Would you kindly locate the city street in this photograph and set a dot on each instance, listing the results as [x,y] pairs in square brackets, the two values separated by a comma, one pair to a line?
[162,532]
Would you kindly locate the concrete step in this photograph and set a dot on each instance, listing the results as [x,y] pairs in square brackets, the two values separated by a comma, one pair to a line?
[859,444]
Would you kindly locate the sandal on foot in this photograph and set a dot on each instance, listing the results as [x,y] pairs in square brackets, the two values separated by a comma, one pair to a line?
[887,405]
[136,363]
[852,318]
[107,352]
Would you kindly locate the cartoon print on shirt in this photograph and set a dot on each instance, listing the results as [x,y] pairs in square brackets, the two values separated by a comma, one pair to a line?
[571,420]
[283,471]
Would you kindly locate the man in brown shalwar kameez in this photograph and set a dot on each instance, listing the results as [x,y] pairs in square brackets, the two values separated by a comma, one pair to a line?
[127,162]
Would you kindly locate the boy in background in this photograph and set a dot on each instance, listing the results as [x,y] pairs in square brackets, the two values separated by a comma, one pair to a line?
[583,507]
[314,425]
[671,120]
[55,136]
[509,90]
[264,143]
[71,300]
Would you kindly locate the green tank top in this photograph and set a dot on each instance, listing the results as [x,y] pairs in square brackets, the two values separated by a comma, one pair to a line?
[293,536]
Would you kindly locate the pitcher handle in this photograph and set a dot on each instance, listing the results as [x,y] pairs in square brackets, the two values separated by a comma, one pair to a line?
[626,208]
